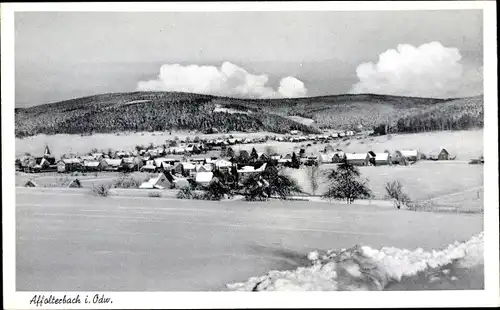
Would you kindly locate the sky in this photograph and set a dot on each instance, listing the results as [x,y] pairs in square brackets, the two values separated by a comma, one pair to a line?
[64,55]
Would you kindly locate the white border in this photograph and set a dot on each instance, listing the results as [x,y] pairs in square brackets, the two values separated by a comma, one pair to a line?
[489,297]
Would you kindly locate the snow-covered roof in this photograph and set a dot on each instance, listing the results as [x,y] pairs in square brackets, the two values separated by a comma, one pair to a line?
[247,169]
[355,156]
[409,153]
[381,156]
[71,160]
[113,162]
[204,177]
[223,163]
[188,165]
[89,163]
[87,157]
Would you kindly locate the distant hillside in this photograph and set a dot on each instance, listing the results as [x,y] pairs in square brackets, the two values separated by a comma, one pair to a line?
[159,111]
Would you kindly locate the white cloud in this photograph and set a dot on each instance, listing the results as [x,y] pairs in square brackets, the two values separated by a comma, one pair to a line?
[228,80]
[430,70]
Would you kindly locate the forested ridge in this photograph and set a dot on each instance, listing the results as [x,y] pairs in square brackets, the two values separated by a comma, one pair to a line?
[161,111]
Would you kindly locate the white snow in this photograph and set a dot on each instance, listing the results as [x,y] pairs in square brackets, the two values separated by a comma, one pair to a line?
[364,268]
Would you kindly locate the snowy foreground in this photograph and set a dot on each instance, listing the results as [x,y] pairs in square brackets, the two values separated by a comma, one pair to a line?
[364,268]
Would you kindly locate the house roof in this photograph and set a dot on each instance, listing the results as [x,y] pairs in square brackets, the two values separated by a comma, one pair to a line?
[409,153]
[188,165]
[113,162]
[381,156]
[204,177]
[91,163]
[223,163]
[71,161]
[355,156]
[87,157]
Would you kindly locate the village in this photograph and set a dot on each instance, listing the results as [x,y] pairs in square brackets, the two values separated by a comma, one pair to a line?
[179,163]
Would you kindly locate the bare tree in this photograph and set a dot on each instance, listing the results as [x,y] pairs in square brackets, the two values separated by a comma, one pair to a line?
[313,176]
[394,191]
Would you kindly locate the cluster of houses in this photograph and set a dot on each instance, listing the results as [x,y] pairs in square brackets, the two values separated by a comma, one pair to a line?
[189,165]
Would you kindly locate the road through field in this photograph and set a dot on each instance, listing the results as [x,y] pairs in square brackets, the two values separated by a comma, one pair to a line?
[83,242]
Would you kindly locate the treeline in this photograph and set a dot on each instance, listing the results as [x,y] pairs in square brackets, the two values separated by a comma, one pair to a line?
[194,113]
[460,114]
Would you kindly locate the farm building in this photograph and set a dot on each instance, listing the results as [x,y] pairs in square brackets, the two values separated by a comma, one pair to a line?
[161,181]
[357,159]
[91,165]
[30,183]
[112,164]
[411,155]
[204,177]
[75,184]
[381,159]
[326,158]
[443,154]
[69,164]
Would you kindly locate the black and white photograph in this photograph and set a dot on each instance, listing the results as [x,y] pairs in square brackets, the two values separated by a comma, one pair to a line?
[249,147]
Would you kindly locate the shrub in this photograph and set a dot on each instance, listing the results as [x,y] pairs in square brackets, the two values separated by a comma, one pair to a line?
[126,181]
[154,194]
[394,191]
[427,205]
[100,190]
[185,193]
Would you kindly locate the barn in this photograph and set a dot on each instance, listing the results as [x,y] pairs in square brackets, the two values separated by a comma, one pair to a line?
[442,154]
[69,164]
[161,181]
[91,165]
[109,164]
[357,159]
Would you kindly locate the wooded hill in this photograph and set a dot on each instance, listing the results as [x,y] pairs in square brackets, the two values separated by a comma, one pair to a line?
[161,111]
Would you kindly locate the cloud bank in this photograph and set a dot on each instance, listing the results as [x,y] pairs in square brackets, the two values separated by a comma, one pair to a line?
[429,70]
[228,80]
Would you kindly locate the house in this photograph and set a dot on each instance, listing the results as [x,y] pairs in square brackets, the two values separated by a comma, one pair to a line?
[294,132]
[223,164]
[275,157]
[75,184]
[98,156]
[263,156]
[326,158]
[91,165]
[132,163]
[69,164]
[163,180]
[405,156]
[149,166]
[411,155]
[357,159]
[204,168]
[382,159]
[204,177]
[41,163]
[440,155]
[112,164]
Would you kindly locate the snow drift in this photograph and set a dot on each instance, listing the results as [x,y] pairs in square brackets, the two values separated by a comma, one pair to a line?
[363,268]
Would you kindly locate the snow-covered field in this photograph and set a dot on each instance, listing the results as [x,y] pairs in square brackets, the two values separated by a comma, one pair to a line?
[423,180]
[364,268]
